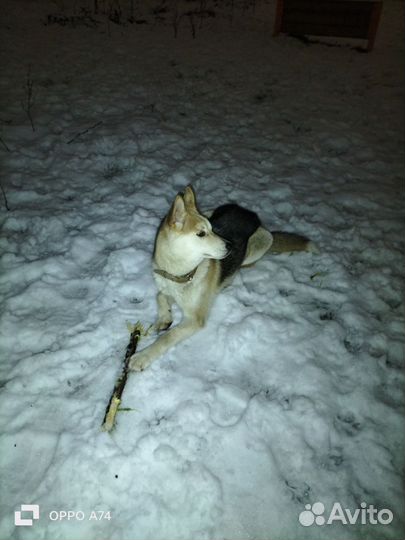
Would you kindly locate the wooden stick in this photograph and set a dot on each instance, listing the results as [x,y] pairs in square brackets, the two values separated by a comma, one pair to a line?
[4,144]
[115,400]
[84,132]
[5,198]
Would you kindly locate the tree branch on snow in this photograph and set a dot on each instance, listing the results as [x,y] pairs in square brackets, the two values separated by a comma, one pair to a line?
[5,145]
[5,198]
[115,399]
[29,97]
[192,22]
[78,135]
[176,19]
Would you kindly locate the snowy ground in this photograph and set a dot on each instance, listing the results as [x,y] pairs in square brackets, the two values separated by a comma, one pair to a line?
[293,393]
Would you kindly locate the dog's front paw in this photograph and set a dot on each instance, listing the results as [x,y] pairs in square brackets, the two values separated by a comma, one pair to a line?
[161,325]
[140,361]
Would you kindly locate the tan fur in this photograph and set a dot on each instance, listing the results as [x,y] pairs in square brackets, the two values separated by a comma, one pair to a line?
[259,243]
[175,254]
[179,249]
[289,242]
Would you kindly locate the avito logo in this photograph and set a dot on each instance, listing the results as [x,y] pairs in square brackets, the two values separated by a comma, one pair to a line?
[365,514]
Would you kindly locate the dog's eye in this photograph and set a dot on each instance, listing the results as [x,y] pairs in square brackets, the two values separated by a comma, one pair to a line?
[201,234]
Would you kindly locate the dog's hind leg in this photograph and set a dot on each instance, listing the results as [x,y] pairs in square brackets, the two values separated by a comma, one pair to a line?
[259,243]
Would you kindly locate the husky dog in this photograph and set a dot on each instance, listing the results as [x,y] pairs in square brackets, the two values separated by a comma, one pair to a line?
[195,256]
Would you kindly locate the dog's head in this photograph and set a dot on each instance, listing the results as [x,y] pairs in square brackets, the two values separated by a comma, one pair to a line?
[192,232]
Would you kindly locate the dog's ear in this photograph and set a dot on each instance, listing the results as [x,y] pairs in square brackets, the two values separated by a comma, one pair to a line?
[189,197]
[177,214]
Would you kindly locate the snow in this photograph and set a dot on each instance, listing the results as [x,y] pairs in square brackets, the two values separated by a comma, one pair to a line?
[293,393]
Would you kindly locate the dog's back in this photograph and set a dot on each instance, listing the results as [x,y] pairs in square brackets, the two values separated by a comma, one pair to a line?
[236,225]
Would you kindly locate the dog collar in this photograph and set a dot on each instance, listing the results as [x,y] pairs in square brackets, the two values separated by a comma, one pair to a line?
[177,279]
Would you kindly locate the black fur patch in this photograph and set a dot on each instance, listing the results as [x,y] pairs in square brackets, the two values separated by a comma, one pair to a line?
[236,225]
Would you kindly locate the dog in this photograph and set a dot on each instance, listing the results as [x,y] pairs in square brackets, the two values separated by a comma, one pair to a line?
[195,256]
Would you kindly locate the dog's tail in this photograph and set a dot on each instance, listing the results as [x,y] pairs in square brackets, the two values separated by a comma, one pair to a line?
[284,242]
[264,241]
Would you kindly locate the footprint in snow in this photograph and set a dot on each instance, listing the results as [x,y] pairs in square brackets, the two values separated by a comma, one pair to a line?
[228,404]
[347,423]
